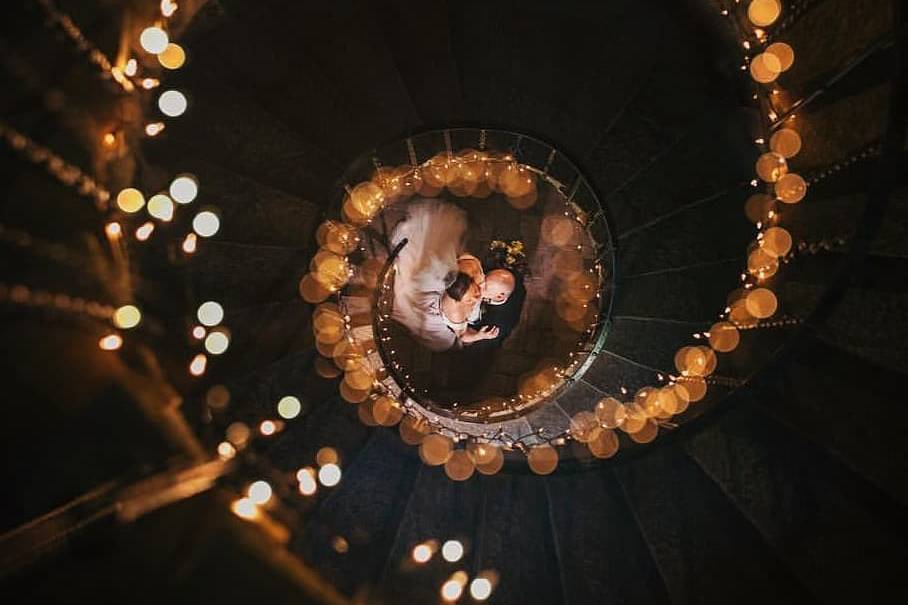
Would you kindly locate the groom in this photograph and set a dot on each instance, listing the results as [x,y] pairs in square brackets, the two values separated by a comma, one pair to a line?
[503,295]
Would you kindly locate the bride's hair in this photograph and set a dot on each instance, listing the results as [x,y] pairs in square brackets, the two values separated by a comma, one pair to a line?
[460,286]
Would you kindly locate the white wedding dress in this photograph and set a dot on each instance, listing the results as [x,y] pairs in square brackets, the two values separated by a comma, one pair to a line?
[425,266]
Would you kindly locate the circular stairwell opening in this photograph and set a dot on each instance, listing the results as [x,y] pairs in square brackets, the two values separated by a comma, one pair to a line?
[476,278]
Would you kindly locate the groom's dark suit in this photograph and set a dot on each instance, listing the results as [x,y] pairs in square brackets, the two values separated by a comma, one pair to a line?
[505,317]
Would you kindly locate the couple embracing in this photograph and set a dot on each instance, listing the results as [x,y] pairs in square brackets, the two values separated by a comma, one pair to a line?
[443,295]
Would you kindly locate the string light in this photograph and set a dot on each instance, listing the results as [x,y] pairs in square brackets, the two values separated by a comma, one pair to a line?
[172,103]
[289,407]
[161,207]
[206,223]
[110,342]
[144,231]
[259,492]
[329,475]
[154,129]
[127,316]
[172,57]
[190,243]
[184,188]
[198,364]
[153,40]
[452,551]
[210,313]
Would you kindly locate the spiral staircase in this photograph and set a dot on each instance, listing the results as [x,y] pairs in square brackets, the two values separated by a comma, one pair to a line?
[788,487]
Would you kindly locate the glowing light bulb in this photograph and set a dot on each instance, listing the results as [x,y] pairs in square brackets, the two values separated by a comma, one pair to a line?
[172,57]
[184,188]
[451,590]
[452,551]
[329,475]
[206,223]
[172,103]
[154,129]
[168,7]
[144,231]
[226,451]
[268,428]
[481,589]
[153,40]
[109,139]
[306,478]
[113,230]
[131,68]
[422,553]
[217,342]
[198,364]
[189,244]
[149,83]
[245,508]
[259,492]
[161,207]
[111,342]
[198,332]
[289,407]
[210,313]
[127,316]
[130,200]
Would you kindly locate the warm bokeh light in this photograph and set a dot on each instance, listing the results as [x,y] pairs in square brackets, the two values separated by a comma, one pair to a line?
[763,13]
[161,207]
[783,52]
[758,207]
[238,434]
[762,303]
[130,200]
[154,129]
[776,242]
[610,412]
[451,590]
[268,428]
[481,588]
[153,40]
[307,484]
[217,397]
[144,231]
[459,466]
[226,451]
[542,459]
[245,508]
[761,265]
[206,223]
[387,411]
[210,313]
[198,364]
[172,103]
[329,475]
[791,188]
[452,551]
[435,449]
[217,341]
[113,230]
[111,342]
[422,553]
[259,492]
[168,7]
[184,188]
[771,167]
[340,545]
[326,455]
[724,337]
[131,67]
[786,142]
[190,243]
[127,316]
[289,407]
[172,57]
[605,445]
[765,68]
[585,426]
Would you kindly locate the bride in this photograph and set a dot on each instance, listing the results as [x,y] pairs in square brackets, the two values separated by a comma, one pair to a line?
[433,298]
